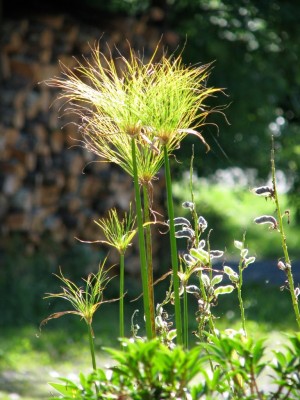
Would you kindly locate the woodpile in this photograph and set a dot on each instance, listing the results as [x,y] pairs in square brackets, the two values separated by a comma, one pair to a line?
[49,190]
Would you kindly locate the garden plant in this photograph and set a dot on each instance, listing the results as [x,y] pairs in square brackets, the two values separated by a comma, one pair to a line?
[135,112]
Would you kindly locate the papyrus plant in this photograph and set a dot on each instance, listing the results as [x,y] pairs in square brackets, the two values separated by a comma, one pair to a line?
[85,300]
[119,234]
[135,114]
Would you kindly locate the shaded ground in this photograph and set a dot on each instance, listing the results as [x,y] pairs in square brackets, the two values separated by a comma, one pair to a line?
[28,378]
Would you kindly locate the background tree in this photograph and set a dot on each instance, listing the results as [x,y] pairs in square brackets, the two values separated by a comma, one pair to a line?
[255,48]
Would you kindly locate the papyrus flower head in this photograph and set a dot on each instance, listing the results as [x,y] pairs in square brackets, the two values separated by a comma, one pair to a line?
[119,233]
[118,99]
[85,300]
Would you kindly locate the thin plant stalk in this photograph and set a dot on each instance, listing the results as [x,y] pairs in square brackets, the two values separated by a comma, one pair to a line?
[148,241]
[239,286]
[185,319]
[194,212]
[141,239]
[121,305]
[92,350]
[288,269]
[92,347]
[174,256]
[241,303]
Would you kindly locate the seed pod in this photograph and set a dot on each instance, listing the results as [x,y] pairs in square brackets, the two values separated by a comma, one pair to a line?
[159,323]
[201,244]
[239,245]
[189,259]
[171,334]
[266,219]
[205,279]
[202,223]
[182,221]
[248,261]
[244,253]
[188,204]
[232,275]
[229,271]
[216,280]
[265,191]
[200,255]
[216,253]
[185,233]
[204,307]
[193,289]
[281,265]
[224,290]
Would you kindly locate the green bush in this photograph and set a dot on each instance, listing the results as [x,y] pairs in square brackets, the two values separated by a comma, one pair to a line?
[227,366]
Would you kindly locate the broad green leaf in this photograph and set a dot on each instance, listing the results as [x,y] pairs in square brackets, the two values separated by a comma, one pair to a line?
[66,389]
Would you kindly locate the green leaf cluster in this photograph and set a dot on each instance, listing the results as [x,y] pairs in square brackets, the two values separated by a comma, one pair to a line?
[227,366]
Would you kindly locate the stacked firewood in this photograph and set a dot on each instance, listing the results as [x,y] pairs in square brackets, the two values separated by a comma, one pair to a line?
[50,186]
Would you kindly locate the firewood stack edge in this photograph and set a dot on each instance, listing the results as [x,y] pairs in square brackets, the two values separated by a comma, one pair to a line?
[52,188]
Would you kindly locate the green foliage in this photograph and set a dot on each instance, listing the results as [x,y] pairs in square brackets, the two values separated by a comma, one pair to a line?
[261,38]
[227,366]
[231,212]
[141,371]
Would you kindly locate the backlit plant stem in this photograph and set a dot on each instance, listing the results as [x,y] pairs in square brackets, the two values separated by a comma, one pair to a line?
[174,256]
[194,212]
[148,239]
[92,347]
[185,319]
[241,303]
[141,239]
[121,310]
[288,269]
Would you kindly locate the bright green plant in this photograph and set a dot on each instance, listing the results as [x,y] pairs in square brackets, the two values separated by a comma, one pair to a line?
[136,117]
[276,224]
[119,234]
[237,278]
[142,370]
[84,301]
[135,114]
[227,366]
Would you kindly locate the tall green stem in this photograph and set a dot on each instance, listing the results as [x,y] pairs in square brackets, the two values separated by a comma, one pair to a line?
[141,240]
[121,310]
[148,239]
[92,347]
[241,303]
[174,256]
[194,211]
[288,269]
[185,320]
